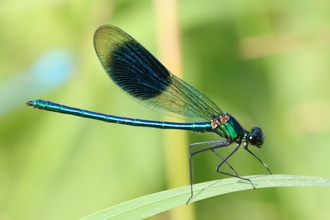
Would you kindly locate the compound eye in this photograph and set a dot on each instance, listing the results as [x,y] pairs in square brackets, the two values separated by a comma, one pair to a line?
[256,137]
[253,139]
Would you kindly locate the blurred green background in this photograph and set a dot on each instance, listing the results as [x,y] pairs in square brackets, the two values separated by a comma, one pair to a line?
[265,62]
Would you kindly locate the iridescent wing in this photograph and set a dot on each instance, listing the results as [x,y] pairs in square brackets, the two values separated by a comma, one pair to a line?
[139,74]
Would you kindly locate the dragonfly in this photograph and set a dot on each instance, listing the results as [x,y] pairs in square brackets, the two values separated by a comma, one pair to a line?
[142,77]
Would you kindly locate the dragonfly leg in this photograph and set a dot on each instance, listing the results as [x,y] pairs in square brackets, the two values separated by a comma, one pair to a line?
[229,174]
[232,168]
[255,156]
[214,145]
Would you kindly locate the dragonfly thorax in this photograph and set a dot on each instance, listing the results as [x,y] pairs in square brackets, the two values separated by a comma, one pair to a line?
[227,126]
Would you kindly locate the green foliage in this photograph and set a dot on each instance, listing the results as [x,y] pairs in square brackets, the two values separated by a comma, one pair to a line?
[153,204]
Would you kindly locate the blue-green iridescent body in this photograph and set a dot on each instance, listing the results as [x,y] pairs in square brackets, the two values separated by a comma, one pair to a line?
[142,77]
[229,128]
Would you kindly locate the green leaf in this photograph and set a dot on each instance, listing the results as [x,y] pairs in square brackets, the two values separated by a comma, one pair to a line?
[156,203]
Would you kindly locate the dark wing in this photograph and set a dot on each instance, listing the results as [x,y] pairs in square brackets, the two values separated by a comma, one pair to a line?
[139,74]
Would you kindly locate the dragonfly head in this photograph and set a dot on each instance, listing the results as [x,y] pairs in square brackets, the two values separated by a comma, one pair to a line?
[256,137]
